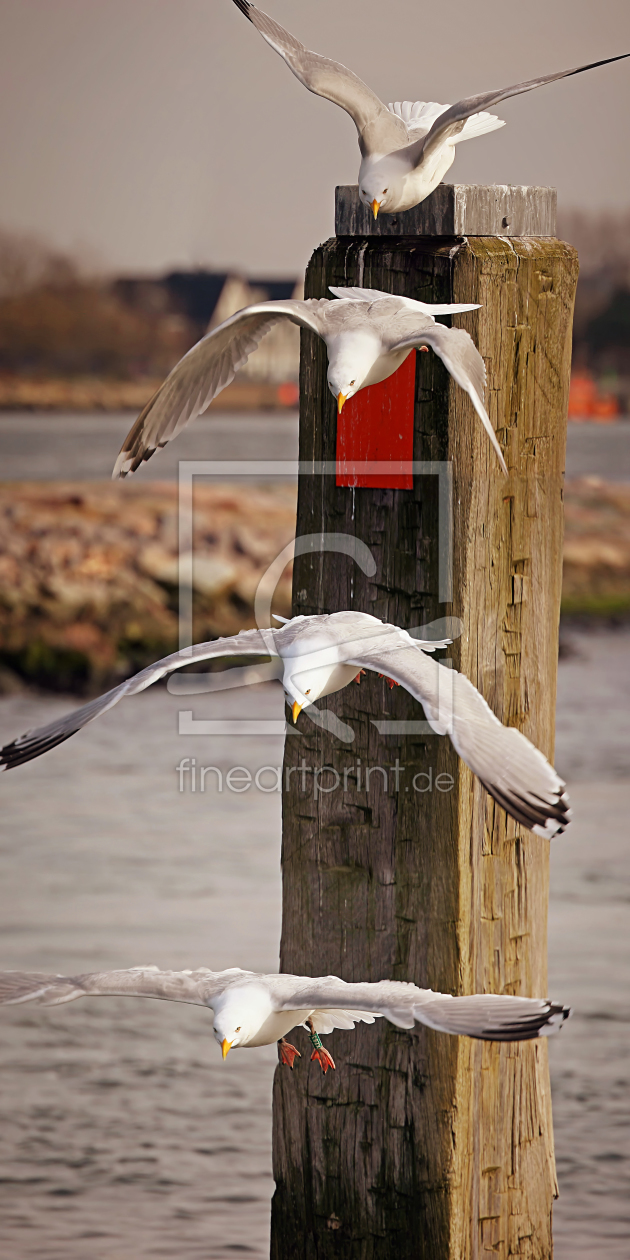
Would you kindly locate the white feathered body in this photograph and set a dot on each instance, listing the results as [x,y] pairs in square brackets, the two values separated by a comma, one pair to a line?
[394,182]
[250,1008]
[359,337]
[248,1013]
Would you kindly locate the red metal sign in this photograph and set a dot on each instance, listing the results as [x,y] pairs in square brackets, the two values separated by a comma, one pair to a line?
[376,426]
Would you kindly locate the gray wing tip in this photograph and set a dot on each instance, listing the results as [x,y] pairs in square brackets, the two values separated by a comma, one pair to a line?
[244,6]
[497,1017]
[17,987]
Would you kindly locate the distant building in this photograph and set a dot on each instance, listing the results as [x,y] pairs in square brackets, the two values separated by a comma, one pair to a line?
[205,299]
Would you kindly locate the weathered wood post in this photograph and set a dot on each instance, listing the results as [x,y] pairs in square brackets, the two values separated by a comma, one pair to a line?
[419,1144]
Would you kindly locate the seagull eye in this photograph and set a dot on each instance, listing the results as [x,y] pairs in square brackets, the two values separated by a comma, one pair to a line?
[307,693]
[238,1029]
[352,382]
[385,190]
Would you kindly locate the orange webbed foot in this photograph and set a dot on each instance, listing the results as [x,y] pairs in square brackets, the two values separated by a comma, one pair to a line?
[325,1060]
[287,1053]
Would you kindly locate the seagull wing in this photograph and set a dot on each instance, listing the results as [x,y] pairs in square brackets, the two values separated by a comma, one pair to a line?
[409,304]
[460,356]
[379,129]
[198,987]
[331,998]
[491,1017]
[450,123]
[202,373]
[513,770]
[334,1004]
[33,743]
[419,117]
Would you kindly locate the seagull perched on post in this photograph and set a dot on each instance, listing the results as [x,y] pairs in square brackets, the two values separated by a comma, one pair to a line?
[368,334]
[256,1010]
[406,148]
[319,655]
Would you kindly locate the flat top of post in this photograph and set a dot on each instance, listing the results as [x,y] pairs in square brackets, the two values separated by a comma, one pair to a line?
[454,210]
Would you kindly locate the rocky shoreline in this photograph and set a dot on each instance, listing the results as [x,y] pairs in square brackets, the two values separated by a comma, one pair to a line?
[89,573]
[89,570]
[596,570]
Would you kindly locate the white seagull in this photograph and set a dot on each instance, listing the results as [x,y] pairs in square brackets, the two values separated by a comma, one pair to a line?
[319,655]
[368,334]
[256,1010]
[406,147]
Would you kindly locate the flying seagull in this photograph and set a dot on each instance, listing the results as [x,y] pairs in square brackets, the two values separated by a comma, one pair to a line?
[319,655]
[406,147]
[256,1010]
[368,334]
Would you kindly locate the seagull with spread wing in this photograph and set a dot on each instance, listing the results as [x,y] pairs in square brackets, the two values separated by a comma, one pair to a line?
[368,334]
[406,148]
[256,1010]
[316,656]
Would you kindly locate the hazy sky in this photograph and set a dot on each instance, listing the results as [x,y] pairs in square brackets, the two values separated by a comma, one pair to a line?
[161,132]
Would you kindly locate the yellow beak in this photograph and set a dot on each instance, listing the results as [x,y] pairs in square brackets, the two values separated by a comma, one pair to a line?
[226,1046]
[341,398]
[376,205]
[296,710]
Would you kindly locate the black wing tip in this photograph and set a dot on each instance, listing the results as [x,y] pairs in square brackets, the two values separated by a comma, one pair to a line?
[133,459]
[538,817]
[11,755]
[244,6]
[21,750]
[558,1013]
[592,65]
[542,1023]
[554,1017]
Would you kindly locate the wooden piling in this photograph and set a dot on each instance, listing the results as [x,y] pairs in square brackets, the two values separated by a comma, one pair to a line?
[422,1145]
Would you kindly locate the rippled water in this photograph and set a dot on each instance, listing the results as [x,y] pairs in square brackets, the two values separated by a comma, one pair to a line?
[589,952]
[122,1134]
[38,445]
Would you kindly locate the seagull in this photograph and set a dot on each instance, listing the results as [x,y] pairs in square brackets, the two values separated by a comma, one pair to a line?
[368,334]
[319,655]
[256,1010]
[406,147]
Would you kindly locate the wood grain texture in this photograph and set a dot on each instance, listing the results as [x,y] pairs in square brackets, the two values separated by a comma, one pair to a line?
[454,210]
[423,1145]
